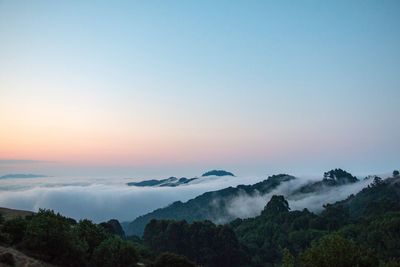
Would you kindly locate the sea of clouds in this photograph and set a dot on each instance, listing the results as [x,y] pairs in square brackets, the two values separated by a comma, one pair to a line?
[101,199]
[245,206]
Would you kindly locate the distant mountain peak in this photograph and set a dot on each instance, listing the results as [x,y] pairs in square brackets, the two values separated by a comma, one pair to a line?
[217,173]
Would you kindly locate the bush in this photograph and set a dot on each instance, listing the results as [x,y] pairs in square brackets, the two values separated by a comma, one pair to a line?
[114,252]
[113,227]
[334,250]
[172,260]
[91,233]
[51,237]
[202,242]
[15,229]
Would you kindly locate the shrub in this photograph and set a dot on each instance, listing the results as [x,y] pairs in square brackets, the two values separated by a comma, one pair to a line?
[114,252]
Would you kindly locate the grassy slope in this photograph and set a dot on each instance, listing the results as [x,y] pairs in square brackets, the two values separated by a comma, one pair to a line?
[9,214]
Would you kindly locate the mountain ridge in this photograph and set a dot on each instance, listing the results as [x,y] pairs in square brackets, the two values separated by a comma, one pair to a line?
[207,206]
[174,181]
[216,206]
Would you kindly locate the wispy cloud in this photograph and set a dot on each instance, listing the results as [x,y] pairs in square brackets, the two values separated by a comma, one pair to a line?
[102,199]
[99,199]
[246,206]
[23,161]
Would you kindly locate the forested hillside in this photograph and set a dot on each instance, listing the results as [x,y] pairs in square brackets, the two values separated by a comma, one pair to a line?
[208,206]
[361,230]
[221,206]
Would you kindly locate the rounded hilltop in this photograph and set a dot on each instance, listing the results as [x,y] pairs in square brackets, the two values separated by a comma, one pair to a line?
[217,173]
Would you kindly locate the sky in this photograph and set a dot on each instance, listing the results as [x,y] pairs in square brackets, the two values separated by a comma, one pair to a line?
[160,88]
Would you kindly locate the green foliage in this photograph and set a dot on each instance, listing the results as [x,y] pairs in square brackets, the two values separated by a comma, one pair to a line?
[15,229]
[396,173]
[366,223]
[391,263]
[276,205]
[276,228]
[382,234]
[203,207]
[4,238]
[91,233]
[334,250]
[113,227]
[366,218]
[378,198]
[362,230]
[336,177]
[115,252]
[60,240]
[172,260]
[287,259]
[340,176]
[335,216]
[146,255]
[50,235]
[203,242]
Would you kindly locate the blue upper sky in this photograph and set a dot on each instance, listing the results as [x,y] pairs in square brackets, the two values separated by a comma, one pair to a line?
[257,86]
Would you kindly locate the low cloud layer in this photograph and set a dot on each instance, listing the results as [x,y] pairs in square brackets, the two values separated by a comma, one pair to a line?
[101,200]
[245,206]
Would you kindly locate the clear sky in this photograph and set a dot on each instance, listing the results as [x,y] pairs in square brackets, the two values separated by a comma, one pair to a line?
[184,86]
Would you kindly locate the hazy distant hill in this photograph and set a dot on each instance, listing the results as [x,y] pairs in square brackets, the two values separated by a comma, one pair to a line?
[171,182]
[174,181]
[217,173]
[208,206]
[21,176]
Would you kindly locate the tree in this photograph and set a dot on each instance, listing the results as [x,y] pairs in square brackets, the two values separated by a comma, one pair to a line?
[113,227]
[276,205]
[333,250]
[340,176]
[15,230]
[114,252]
[395,173]
[51,237]
[391,263]
[287,259]
[377,181]
[202,242]
[172,260]
[91,233]
[335,216]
